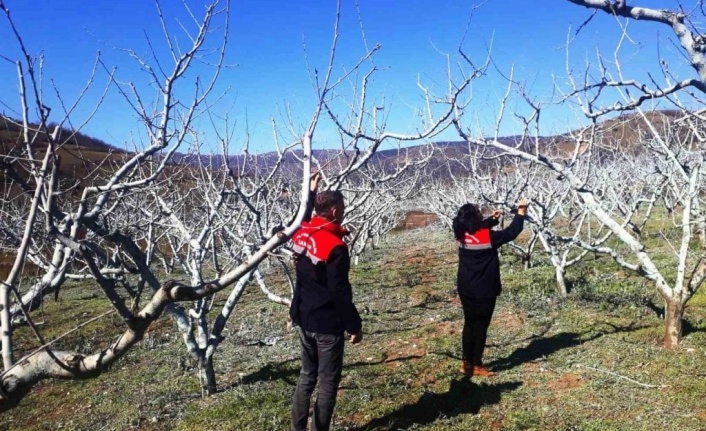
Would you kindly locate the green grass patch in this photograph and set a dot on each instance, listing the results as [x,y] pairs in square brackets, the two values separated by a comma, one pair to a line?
[591,362]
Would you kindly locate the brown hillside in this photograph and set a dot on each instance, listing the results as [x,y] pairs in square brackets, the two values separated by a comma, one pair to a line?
[83,157]
[623,133]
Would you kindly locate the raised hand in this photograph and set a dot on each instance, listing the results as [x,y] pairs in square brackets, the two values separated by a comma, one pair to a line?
[314,181]
[522,206]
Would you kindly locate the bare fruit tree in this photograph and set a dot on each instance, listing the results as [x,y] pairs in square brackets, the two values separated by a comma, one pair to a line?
[93,232]
[163,225]
[108,226]
[677,142]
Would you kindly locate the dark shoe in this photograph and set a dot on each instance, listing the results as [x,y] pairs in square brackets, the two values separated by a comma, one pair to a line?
[481,371]
[466,368]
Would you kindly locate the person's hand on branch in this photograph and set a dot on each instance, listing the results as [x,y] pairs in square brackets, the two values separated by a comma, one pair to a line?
[522,207]
[496,214]
[314,181]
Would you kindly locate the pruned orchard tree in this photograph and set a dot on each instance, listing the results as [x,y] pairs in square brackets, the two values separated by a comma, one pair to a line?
[456,180]
[681,159]
[374,214]
[133,222]
[551,208]
[498,183]
[481,176]
[92,230]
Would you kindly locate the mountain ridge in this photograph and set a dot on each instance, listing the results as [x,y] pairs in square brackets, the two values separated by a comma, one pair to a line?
[621,133]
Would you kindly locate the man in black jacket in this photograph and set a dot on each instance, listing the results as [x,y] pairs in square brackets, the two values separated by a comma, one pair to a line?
[478,278]
[323,308]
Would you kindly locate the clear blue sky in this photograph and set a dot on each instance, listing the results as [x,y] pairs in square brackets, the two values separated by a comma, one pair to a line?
[266,50]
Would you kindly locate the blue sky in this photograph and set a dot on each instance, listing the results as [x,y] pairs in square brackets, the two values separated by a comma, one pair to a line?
[269,73]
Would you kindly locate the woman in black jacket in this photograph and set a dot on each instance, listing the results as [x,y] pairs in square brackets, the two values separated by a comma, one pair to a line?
[478,279]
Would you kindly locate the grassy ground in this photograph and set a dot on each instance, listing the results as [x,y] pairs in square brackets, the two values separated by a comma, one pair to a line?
[593,362]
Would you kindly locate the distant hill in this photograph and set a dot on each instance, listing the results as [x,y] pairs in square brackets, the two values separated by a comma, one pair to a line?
[82,154]
[11,137]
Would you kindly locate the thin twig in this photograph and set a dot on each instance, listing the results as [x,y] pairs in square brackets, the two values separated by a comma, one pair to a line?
[40,348]
[644,385]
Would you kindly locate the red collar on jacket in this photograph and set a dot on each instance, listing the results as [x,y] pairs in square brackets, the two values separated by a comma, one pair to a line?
[327,225]
[317,238]
[478,240]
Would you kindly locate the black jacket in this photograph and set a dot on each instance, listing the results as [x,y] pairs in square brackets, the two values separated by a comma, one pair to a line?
[478,263]
[323,298]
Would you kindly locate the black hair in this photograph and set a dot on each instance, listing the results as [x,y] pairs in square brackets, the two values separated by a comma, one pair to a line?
[325,201]
[467,220]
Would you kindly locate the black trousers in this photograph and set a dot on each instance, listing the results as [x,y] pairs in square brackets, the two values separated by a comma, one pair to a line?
[322,361]
[477,313]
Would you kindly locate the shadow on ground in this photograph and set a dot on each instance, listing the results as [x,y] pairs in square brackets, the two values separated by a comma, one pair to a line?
[463,397]
[542,347]
[288,371]
[538,348]
[689,328]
